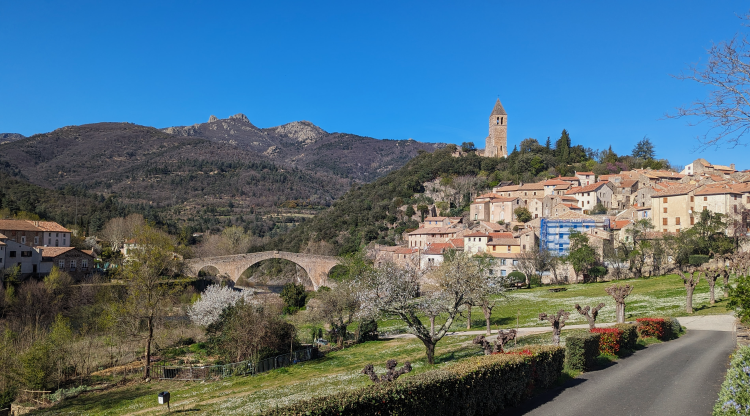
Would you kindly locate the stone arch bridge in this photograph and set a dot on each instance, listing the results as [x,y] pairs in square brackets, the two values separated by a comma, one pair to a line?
[317,267]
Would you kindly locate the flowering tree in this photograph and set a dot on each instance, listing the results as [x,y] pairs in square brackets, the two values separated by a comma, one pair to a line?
[393,290]
[212,302]
[485,295]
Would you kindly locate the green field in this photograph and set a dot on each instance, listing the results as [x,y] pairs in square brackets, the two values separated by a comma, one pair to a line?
[663,295]
[341,370]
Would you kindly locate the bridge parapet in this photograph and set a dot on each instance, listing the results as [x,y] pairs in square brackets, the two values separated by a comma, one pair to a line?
[317,267]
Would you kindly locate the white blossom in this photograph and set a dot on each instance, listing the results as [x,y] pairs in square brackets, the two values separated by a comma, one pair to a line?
[213,301]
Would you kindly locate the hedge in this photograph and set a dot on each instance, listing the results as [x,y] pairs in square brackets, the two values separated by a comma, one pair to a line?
[654,327]
[629,338]
[472,386]
[674,327]
[734,397]
[581,350]
[610,341]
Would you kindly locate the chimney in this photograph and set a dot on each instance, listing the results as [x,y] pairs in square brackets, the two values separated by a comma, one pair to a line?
[732,166]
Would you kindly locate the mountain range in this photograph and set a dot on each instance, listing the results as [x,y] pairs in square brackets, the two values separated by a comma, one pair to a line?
[206,164]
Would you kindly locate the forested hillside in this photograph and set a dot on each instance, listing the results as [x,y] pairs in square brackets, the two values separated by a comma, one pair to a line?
[372,212]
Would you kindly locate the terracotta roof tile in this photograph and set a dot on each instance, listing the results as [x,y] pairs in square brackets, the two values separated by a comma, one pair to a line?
[457,242]
[52,252]
[50,226]
[476,234]
[18,225]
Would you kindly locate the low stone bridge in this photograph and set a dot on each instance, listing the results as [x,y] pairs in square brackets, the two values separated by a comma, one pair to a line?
[317,267]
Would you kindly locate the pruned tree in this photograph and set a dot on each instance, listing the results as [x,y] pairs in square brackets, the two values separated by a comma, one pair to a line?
[726,111]
[503,337]
[391,373]
[619,293]
[207,309]
[690,284]
[590,313]
[557,321]
[482,341]
[395,291]
[712,273]
[117,230]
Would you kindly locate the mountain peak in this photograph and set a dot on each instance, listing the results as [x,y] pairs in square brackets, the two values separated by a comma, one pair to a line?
[213,118]
[240,116]
[301,131]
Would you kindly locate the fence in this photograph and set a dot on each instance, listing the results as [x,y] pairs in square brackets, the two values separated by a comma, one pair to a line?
[169,372]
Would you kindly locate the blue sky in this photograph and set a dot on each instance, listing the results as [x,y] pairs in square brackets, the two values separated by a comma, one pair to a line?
[430,71]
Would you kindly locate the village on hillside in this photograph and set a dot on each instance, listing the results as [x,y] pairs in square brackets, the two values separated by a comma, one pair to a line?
[512,221]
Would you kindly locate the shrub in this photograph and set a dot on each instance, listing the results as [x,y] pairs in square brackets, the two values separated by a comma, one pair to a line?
[734,397]
[476,385]
[674,327]
[629,337]
[698,259]
[581,350]
[653,327]
[610,341]
[516,277]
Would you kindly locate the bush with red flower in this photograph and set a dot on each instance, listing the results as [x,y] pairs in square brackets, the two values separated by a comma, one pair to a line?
[653,327]
[610,341]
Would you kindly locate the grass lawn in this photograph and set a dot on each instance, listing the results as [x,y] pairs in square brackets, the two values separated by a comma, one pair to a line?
[340,370]
[663,295]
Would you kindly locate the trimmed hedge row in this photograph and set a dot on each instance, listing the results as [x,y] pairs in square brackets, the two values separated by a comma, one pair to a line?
[581,350]
[473,386]
[734,397]
[610,341]
[654,327]
[629,338]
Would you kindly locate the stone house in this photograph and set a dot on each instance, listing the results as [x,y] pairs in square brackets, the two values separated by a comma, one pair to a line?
[476,243]
[17,254]
[563,208]
[586,178]
[36,233]
[556,187]
[79,264]
[590,195]
[493,208]
[535,205]
[673,209]
[422,237]
[550,201]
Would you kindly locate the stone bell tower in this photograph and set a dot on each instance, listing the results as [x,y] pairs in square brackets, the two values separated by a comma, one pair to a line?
[497,142]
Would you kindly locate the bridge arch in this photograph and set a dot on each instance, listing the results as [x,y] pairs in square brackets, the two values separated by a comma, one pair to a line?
[317,267]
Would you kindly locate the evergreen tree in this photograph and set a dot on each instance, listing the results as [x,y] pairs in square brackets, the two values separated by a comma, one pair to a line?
[548,144]
[562,147]
[644,149]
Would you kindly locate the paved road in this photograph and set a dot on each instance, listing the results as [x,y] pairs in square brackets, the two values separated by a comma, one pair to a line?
[680,377]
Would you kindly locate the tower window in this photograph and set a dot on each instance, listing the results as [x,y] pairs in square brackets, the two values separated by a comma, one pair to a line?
[501,120]
[497,121]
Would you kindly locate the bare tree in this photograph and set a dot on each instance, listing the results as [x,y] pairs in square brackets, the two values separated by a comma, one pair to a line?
[557,321]
[394,290]
[726,111]
[590,314]
[391,373]
[690,284]
[712,273]
[619,293]
[534,262]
